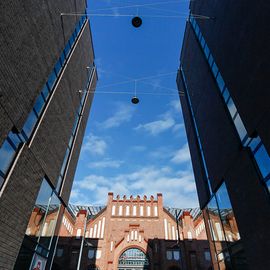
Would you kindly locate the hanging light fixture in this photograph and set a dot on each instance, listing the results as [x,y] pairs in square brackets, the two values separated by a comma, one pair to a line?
[136,21]
[135,100]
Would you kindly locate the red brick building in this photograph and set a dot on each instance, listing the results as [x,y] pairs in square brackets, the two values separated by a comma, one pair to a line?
[132,233]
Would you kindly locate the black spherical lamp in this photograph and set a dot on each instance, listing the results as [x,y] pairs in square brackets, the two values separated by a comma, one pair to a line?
[136,21]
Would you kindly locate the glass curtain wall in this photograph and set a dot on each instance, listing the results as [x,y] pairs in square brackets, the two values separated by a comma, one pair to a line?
[224,231]
[40,230]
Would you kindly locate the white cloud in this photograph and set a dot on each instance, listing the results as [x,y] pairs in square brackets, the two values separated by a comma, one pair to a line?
[123,114]
[175,104]
[178,188]
[182,155]
[106,163]
[157,127]
[178,127]
[94,145]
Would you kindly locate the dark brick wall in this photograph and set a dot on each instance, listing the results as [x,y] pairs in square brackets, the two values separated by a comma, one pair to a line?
[39,27]
[201,180]
[68,181]
[251,208]
[32,38]
[239,40]
[217,132]
[52,137]
[16,204]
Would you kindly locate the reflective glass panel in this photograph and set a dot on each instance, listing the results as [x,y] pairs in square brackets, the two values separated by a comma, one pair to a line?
[242,132]
[45,91]
[227,215]
[215,69]
[40,102]
[215,225]
[263,160]
[231,107]
[7,154]
[51,80]
[16,140]
[30,124]
[226,94]
[35,224]
[50,221]
[220,82]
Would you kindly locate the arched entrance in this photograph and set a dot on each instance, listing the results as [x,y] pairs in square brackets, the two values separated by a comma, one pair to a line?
[133,259]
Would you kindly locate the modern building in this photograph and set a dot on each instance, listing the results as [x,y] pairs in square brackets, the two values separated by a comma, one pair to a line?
[223,87]
[129,233]
[46,72]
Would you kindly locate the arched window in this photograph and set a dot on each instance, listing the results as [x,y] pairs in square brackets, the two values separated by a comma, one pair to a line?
[133,257]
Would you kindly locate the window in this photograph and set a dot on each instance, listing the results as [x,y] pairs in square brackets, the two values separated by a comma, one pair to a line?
[120,210]
[59,252]
[207,256]
[127,211]
[173,255]
[148,211]
[141,211]
[189,235]
[156,211]
[7,154]
[113,210]
[79,233]
[134,210]
[226,213]
[263,160]
[169,255]
[133,257]
[91,253]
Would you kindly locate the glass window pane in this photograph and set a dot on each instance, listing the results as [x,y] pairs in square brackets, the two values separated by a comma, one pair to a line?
[227,215]
[215,69]
[7,154]
[206,51]
[40,102]
[30,124]
[211,60]
[263,160]
[226,95]
[169,255]
[220,82]
[231,107]
[176,255]
[58,66]
[50,222]
[45,91]
[254,143]
[240,127]
[51,80]
[202,42]
[34,227]
[215,225]
[16,140]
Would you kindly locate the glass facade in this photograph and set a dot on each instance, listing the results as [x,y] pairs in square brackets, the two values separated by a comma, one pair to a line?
[224,231]
[40,230]
[14,141]
[260,154]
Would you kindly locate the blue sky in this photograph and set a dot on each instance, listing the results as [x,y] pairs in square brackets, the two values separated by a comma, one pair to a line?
[136,149]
